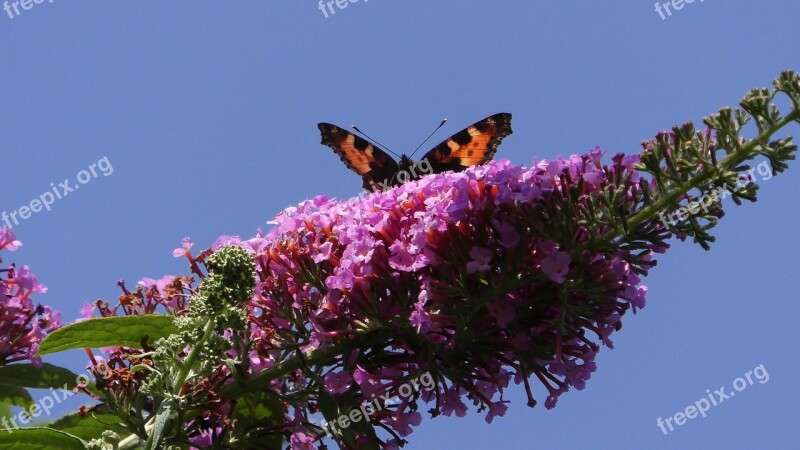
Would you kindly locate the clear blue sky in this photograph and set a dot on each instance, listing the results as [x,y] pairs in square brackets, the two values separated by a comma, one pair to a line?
[207,112]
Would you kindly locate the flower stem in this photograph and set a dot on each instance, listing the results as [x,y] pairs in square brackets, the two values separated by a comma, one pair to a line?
[180,379]
[130,443]
[190,360]
[313,358]
[736,157]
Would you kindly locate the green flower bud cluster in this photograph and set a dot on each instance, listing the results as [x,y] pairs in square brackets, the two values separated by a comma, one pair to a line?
[220,300]
[232,275]
[228,286]
[109,441]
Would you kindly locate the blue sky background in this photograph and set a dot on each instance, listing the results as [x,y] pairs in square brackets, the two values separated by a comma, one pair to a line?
[207,112]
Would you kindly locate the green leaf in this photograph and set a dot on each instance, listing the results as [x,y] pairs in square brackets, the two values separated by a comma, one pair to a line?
[332,410]
[328,406]
[161,420]
[258,410]
[90,426]
[15,396]
[123,331]
[15,377]
[5,409]
[44,377]
[39,439]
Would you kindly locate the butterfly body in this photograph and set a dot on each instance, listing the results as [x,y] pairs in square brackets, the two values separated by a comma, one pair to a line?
[473,145]
[405,165]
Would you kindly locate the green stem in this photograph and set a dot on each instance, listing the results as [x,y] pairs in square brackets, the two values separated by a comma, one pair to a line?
[286,366]
[131,442]
[183,374]
[734,158]
[190,361]
[316,357]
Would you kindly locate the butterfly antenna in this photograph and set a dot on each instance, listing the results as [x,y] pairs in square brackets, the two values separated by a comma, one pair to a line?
[373,141]
[429,136]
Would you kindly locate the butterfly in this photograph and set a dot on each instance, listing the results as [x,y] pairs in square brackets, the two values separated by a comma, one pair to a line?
[474,145]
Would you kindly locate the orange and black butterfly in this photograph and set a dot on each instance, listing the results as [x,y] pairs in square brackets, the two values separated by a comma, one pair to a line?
[474,145]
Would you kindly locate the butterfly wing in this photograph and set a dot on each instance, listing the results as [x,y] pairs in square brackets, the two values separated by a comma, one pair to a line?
[474,145]
[363,158]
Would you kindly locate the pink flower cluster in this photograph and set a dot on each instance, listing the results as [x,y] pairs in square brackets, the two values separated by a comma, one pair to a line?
[23,325]
[480,278]
[496,274]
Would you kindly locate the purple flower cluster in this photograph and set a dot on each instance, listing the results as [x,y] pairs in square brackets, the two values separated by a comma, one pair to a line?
[496,274]
[481,277]
[23,325]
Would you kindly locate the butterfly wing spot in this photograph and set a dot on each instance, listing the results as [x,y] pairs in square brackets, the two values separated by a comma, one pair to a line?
[474,157]
[453,146]
[358,142]
[463,137]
